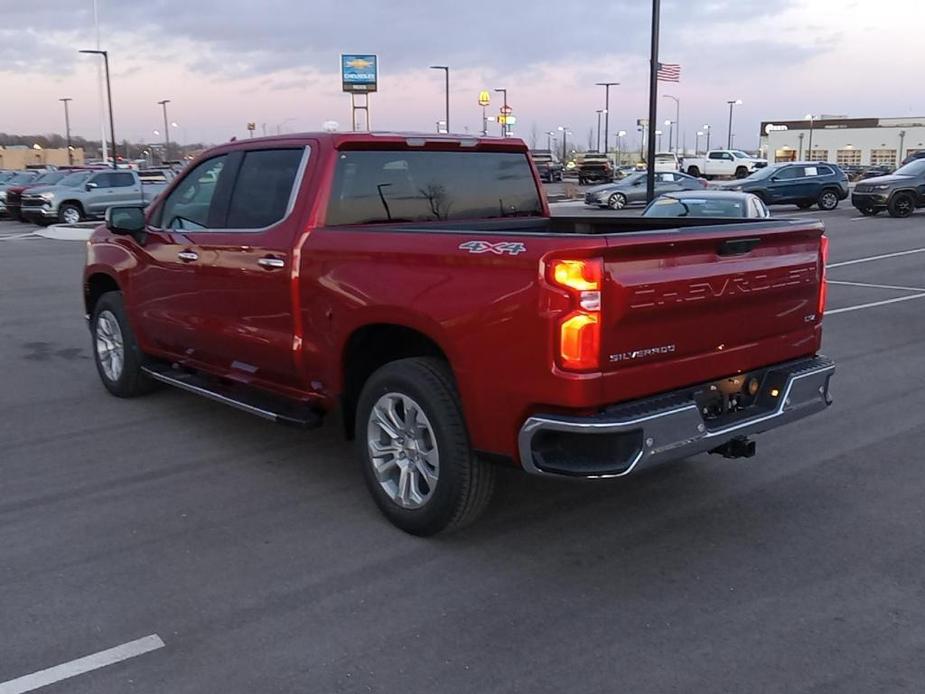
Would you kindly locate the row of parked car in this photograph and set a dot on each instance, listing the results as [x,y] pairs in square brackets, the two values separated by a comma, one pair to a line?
[70,195]
[803,184]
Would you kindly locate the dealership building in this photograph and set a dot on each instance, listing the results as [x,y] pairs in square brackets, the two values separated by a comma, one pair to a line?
[843,141]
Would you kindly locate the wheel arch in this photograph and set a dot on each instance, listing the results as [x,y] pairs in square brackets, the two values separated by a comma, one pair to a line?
[370,347]
[95,285]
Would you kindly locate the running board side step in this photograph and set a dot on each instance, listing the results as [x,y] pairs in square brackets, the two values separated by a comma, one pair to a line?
[241,397]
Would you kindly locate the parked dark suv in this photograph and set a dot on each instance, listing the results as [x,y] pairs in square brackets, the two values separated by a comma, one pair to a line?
[549,168]
[803,184]
[899,193]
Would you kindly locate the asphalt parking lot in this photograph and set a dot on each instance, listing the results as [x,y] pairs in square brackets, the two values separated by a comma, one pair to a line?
[227,554]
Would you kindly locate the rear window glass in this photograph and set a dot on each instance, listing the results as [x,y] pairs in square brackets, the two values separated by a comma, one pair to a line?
[696,207]
[419,186]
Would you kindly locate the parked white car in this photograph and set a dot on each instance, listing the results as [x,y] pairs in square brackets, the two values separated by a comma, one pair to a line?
[723,162]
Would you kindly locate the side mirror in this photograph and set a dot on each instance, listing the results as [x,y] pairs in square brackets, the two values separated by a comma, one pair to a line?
[126,221]
[90,186]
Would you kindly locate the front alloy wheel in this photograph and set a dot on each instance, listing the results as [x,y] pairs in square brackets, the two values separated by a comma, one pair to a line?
[110,347]
[403,450]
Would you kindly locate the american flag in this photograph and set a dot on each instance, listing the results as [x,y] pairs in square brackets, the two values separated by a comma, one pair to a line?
[668,72]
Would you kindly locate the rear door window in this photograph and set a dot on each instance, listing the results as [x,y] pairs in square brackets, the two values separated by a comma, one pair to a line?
[263,189]
[423,186]
[121,180]
[102,180]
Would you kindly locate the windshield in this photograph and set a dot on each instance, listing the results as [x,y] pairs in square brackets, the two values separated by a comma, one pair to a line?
[763,173]
[739,154]
[913,168]
[49,178]
[424,186]
[75,179]
[696,207]
[20,178]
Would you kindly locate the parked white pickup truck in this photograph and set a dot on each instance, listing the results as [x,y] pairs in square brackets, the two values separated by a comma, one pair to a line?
[723,162]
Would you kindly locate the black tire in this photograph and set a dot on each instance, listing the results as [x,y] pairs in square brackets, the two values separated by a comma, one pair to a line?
[901,205]
[869,211]
[66,211]
[617,201]
[805,205]
[130,381]
[741,172]
[581,181]
[464,484]
[693,171]
[827,200]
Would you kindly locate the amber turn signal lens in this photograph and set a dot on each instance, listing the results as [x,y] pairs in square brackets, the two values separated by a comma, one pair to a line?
[580,275]
[579,341]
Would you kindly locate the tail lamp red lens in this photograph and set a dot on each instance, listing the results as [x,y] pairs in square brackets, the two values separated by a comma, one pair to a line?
[579,332]
[823,281]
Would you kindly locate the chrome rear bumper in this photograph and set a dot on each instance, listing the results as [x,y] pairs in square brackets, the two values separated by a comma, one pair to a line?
[618,440]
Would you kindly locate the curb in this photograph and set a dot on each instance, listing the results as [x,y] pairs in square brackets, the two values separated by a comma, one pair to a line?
[66,232]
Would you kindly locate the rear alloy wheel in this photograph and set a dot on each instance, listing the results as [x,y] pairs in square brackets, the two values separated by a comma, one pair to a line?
[617,201]
[828,200]
[869,211]
[413,446]
[901,205]
[70,214]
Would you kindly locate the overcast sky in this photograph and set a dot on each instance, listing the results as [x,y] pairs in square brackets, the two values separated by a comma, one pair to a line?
[225,62]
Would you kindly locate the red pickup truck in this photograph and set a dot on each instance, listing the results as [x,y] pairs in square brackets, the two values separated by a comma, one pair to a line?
[418,284]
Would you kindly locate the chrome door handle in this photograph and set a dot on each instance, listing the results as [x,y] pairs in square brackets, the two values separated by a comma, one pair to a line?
[188,256]
[271,263]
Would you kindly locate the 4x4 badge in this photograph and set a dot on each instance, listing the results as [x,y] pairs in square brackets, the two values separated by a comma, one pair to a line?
[508,247]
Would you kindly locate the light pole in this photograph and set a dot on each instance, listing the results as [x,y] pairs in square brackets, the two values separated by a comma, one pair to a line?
[549,136]
[670,124]
[812,123]
[112,125]
[619,138]
[564,131]
[677,119]
[607,86]
[707,129]
[732,103]
[902,140]
[67,129]
[446,70]
[163,104]
[599,112]
[697,143]
[800,155]
[659,133]
[503,92]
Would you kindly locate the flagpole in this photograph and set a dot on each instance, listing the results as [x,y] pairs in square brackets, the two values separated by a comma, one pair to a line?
[653,102]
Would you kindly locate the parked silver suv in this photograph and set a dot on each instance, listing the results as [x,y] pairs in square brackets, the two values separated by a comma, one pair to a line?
[72,201]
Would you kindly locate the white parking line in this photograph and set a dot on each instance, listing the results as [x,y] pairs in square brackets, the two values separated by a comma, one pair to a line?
[875,257]
[851,308]
[877,286]
[43,678]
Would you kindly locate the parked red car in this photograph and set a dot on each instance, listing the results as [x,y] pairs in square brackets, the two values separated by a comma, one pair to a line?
[418,284]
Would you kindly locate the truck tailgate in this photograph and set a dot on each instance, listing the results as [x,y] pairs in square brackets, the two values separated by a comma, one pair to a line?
[707,303]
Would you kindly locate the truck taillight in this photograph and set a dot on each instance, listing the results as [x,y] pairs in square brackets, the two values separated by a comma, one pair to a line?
[579,332]
[823,281]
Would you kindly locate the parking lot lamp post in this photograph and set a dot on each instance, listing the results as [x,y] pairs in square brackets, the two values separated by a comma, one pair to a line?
[620,135]
[599,112]
[163,105]
[503,92]
[732,103]
[800,154]
[112,125]
[67,130]
[607,86]
[706,129]
[697,143]
[446,70]
[670,124]
[659,133]
[564,132]
[902,139]
[812,121]
[549,136]
[677,119]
